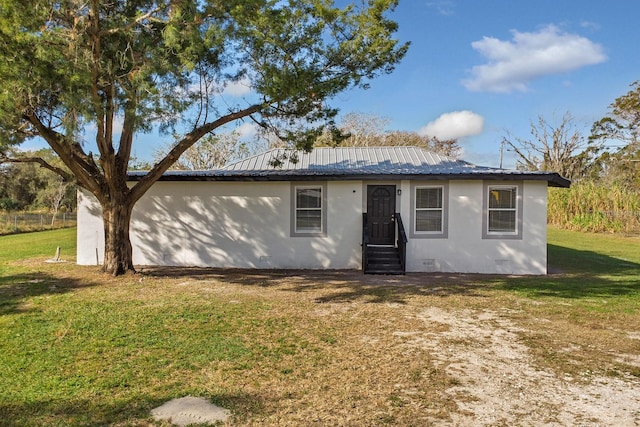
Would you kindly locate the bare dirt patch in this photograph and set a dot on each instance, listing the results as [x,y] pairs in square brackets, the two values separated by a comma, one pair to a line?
[427,350]
[499,384]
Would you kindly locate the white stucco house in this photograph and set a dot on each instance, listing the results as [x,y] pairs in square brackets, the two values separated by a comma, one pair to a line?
[381,210]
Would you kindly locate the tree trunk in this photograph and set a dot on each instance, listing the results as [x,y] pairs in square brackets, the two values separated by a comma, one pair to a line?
[118,255]
[53,217]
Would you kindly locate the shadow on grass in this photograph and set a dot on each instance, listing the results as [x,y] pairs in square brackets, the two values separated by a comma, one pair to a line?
[580,274]
[388,289]
[576,274]
[589,262]
[339,285]
[15,288]
[98,412]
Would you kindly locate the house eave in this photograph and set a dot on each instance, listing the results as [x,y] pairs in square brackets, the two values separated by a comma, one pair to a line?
[553,179]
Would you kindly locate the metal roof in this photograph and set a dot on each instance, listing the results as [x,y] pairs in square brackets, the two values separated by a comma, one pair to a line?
[348,159]
[355,163]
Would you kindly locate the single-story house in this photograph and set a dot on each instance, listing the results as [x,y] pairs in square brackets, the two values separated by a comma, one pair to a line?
[378,209]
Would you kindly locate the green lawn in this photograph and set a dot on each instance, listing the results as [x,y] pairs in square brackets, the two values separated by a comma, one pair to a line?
[82,348]
[38,244]
[598,270]
[592,253]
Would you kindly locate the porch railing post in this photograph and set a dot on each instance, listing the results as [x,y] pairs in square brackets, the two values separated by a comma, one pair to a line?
[402,242]
[365,241]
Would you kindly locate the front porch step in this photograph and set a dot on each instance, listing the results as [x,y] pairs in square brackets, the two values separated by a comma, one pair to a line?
[383,260]
[384,271]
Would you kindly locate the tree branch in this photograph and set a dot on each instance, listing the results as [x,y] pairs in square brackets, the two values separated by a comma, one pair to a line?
[131,24]
[126,139]
[66,176]
[101,110]
[187,141]
[83,167]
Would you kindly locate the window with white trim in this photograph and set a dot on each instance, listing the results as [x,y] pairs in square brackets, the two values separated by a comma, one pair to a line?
[502,209]
[308,209]
[429,210]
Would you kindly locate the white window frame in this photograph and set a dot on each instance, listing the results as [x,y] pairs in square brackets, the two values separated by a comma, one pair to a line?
[516,233]
[444,210]
[297,232]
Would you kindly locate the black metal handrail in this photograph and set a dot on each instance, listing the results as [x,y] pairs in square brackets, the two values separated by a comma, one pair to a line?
[365,241]
[402,242]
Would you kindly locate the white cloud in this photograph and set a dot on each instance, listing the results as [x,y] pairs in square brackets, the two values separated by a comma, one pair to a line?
[238,88]
[454,125]
[443,7]
[247,130]
[511,65]
[590,25]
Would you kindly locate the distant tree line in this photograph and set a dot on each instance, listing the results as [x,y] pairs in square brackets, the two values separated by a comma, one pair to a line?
[609,154]
[27,186]
[367,130]
[604,161]
[603,164]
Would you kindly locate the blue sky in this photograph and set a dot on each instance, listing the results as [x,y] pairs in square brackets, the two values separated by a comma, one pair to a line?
[479,69]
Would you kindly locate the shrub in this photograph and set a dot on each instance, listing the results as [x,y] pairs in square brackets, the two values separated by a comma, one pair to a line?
[8,204]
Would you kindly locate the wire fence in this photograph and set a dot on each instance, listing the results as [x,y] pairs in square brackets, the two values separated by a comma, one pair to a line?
[14,222]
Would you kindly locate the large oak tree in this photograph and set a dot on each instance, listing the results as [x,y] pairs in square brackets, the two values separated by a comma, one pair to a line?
[129,66]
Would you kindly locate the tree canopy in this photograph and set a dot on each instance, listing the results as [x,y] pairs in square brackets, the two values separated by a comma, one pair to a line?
[368,130]
[622,127]
[212,152]
[558,146]
[24,185]
[125,67]
[610,155]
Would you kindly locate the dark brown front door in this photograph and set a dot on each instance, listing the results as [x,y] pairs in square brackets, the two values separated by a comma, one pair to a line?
[381,205]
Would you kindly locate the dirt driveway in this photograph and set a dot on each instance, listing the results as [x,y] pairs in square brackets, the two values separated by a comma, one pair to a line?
[499,383]
[436,350]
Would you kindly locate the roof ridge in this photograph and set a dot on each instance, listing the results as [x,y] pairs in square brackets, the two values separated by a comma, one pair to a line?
[404,153]
[358,162]
[246,159]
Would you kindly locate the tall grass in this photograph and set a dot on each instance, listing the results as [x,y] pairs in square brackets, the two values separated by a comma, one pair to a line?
[595,208]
